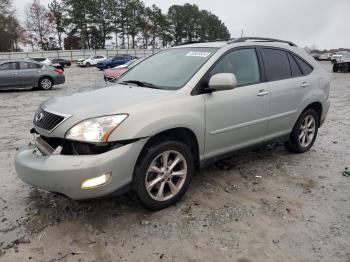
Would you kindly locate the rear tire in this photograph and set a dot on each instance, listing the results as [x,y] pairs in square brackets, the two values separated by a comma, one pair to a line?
[45,83]
[335,68]
[88,64]
[304,132]
[170,181]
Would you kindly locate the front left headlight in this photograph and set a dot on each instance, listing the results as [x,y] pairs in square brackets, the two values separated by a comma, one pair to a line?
[95,130]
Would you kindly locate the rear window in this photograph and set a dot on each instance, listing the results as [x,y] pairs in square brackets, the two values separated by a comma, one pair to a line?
[305,67]
[276,64]
[38,59]
[121,57]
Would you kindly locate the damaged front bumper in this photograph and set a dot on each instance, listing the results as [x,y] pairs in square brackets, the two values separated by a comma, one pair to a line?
[44,167]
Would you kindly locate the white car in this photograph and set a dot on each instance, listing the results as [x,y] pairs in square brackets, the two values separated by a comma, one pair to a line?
[342,63]
[325,57]
[43,60]
[338,55]
[91,61]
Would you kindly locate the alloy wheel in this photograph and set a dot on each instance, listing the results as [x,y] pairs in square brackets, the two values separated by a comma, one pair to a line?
[166,175]
[307,131]
[46,84]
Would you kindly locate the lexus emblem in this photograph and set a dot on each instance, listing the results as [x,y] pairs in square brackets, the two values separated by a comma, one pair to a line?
[38,117]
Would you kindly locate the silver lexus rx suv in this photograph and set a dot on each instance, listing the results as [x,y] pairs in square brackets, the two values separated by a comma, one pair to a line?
[178,110]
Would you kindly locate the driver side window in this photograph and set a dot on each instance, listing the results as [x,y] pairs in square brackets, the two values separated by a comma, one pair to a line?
[243,63]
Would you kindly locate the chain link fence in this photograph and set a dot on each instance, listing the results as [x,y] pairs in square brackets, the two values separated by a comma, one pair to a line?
[74,55]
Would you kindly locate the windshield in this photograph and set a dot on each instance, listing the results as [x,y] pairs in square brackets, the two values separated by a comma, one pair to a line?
[169,69]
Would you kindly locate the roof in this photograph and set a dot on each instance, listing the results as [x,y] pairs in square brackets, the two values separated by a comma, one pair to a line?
[18,61]
[242,42]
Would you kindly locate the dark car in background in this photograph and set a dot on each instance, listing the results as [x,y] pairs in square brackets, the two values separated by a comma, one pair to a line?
[63,62]
[114,61]
[25,73]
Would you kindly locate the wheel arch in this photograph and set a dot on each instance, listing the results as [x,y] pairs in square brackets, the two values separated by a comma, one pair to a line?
[180,134]
[317,106]
[46,76]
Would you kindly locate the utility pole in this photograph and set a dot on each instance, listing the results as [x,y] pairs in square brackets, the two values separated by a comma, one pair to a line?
[242,33]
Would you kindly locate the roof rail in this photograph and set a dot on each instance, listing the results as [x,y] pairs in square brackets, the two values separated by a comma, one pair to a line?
[259,39]
[203,41]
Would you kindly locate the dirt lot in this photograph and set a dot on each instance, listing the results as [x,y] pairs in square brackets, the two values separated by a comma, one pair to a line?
[266,205]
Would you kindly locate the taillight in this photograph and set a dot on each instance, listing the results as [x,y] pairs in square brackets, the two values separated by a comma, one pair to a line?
[59,71]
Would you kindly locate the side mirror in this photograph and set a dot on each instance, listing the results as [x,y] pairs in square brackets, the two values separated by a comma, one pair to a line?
[222,81]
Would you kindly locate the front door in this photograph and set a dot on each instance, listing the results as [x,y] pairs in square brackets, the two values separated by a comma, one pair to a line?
[237,118]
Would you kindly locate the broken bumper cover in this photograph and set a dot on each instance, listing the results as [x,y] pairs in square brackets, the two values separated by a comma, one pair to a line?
[65,173]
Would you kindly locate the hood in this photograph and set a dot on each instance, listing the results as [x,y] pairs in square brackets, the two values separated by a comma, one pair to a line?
[105,101]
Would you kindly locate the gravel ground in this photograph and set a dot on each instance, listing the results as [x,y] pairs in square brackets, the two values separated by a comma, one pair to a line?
[266,205]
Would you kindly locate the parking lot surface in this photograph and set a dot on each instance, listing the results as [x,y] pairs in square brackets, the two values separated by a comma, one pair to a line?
[265,205]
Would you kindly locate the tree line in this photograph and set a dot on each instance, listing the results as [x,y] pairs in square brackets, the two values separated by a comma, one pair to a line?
[11,32]
[90,24]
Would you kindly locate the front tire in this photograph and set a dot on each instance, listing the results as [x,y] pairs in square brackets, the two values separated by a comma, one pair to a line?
[304,132]
[163,174]
[88,64]
[45,83]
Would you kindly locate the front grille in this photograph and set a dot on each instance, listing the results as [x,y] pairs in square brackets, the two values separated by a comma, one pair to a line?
[46,120]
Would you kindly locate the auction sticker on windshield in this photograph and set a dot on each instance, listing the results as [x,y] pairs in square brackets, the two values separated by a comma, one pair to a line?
[198,54]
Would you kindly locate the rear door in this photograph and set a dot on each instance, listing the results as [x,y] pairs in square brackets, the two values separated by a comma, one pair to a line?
[29,73]
[288,87]
[9,74]
[237,118]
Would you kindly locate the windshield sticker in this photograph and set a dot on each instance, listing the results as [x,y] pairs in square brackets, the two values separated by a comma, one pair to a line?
[198,54]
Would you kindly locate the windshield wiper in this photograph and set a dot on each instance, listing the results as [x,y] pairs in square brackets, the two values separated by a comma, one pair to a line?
[140,83]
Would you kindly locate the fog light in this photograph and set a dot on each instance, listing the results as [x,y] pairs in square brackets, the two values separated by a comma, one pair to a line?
[96,181]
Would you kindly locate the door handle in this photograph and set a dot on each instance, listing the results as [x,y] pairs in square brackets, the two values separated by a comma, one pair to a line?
[305,84]
[15,73]
[263,93]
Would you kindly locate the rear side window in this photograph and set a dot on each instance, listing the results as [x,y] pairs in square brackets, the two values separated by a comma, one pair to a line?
[243,63]
[296,71]
[8,66]
[276,64]
[26,65]
[305,67]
